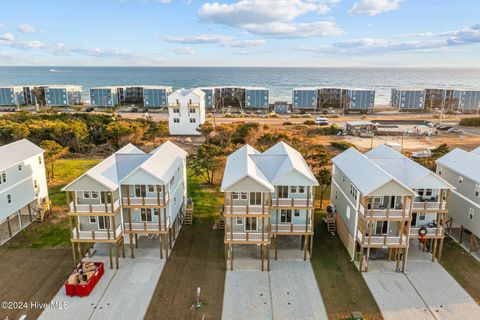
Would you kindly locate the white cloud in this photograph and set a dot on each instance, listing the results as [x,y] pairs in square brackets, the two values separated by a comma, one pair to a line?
[200,39]
[28,28]
[374,7]
[270,17]
[243,43]
[184,50]
[34,44]
[7,37]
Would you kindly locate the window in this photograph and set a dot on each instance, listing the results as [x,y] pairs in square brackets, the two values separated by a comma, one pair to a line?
[92,219]
[140,191]
[348,212]
[421,192]
[286,216]
[477,190]
[19,167]
[301,189]
[151,188]
[293,189]
[193,120]
[3,178]
[235,195]
[421,217]
[250,224]
[39,159]
[175,201]
[429,192]
[243,195]
[35,184]
[343,178]
[333,170]
[172,181]
[9,198]
[283,192]
[192,110]
[255,198]
[86,195]
[176,110]
[155,212]
[176,120]
[353,191]
[94,194]
[239,221]
[146,215]
[439,170]
[296,213]
[471,213]
[460,179]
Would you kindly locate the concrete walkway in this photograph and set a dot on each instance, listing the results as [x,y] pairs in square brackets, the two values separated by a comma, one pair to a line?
[288,291]
[120,294]
[426,291]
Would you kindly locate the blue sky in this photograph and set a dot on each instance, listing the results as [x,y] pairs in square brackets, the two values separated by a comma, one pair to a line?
[240,33]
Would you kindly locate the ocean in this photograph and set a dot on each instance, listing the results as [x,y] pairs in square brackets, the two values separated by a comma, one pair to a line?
[280,81]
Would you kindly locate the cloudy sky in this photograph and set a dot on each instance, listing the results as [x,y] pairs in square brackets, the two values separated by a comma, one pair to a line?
[241,32]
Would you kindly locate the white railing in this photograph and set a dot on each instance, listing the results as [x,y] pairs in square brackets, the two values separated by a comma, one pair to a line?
[246,209]
[384,213]
[146,226]
[98,208]
[142,201]
[95,234]
[382,239]
[430,231]
[429,205]
[292,202]
[246,236]
[290,227]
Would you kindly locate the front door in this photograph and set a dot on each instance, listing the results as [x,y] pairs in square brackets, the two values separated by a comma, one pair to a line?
[414,219]
[103,223]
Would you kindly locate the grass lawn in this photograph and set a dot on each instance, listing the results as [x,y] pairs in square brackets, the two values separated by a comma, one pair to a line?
[464,268]
[342,286]
[53,231]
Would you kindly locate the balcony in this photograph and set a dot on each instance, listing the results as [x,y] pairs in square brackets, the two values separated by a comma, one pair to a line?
[430,232]
[246,236]
[380,241]
[94,208]
[145,201]
[290,203]
[92,235]
[146,227]
[381,213]
[253,210]
[429,205]
[291,228]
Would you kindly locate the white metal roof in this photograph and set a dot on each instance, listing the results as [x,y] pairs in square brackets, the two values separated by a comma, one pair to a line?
[464,163]
[476,151]
[184,92]
[406,170]
[360,123]
[266,168]
[18,151]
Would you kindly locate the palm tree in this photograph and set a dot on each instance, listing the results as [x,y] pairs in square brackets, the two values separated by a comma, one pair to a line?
[39,95]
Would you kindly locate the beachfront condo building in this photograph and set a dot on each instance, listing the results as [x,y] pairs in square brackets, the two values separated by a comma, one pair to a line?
[210,102]
[268,195]
[383,201]
[439,98]
[105,97]
[186,111]
[128,195]
[62,95]
[23,187]
[362,100]
[462,169]
[405,99]
[256,98]
[156,96]
[12,96]
[330,98]
[305,98]
[466,101]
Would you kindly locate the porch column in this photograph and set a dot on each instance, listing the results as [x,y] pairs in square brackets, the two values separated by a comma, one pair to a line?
[130,233]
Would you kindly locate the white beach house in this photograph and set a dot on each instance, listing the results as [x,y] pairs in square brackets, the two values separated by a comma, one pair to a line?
[267,195]
[23,186]
[186,111]
[129,194]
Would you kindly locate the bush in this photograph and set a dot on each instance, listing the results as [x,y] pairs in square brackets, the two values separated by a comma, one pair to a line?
[470,122]
[309,122]
[287,123]
[332,130]
[342,145]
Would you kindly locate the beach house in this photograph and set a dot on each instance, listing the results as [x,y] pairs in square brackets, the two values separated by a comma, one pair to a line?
[462,169]
[382,200]
[127,195]
[186,111]
[62,95]
[23,186]
[268,195]
[105,97]
[408,99]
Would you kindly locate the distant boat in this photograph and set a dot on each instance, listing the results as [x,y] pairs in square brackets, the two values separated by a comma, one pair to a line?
[52,70]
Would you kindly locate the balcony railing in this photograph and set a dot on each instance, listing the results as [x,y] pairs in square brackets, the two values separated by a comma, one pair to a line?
[146,226]
[94,208]
[382,240]
[292,202]
[246,209]
[428,205]
[430,232]
[95,234]
[144,201]
[384,213]
[246,236]
[290,227]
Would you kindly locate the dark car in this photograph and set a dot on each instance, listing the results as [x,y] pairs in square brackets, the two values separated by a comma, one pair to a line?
[89,109]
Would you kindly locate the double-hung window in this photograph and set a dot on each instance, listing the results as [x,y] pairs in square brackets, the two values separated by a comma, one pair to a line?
[255,198]
[146,215]
[250,224]
[282,192]
[286,216]
[140,191]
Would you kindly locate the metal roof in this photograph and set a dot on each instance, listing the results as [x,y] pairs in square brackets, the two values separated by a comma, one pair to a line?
[266,168]
[16,152]
[185,92]
[463,162]
[360,123]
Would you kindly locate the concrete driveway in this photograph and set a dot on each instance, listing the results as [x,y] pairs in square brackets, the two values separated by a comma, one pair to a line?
[120,294]
[426,291]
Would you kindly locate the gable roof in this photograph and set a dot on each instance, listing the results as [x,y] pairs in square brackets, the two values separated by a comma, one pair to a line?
[463,162]
[406,170]
[117,167]
[16,152]
[185,92]
[266,168]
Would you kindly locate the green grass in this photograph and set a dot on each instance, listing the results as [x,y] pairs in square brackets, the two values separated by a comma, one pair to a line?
[464,268]
[342,286]
[206,199]
[54,230]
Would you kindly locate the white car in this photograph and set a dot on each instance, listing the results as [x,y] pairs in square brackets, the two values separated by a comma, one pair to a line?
[321,121]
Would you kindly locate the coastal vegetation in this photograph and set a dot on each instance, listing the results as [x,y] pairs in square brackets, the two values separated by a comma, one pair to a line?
[470,122]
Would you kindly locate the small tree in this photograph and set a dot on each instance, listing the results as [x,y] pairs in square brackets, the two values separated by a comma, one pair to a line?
[206,129]
[207,162]
[324,178]
[158,130]
[53,151]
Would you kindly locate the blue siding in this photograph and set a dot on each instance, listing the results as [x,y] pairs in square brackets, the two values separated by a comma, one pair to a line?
[280,107]
[256,98]
[209,97]
[154,98]
[410,99]
[305,99]
[103,97]
[467,100]
[360,99]
[62,96]
[11,97]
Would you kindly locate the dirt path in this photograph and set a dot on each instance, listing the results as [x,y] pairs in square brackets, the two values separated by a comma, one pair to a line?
[197,260]
[31,275]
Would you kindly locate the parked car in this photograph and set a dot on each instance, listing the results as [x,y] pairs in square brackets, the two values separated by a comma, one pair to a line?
[89,109]
[321,121]
[133,110]
[444,127]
